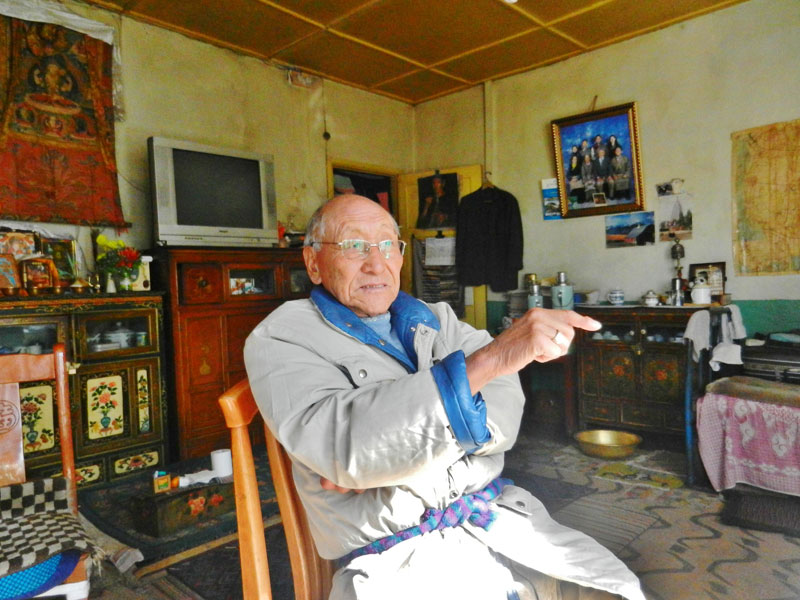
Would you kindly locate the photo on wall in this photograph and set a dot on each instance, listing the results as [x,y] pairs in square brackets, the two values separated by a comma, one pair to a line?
[630,229]
[598,162]
[675,214]
[438,201]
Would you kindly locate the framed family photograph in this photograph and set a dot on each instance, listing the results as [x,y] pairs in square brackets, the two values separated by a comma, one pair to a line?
[598,162]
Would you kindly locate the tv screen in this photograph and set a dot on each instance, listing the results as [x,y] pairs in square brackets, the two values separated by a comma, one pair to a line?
[217,191]
[204,195]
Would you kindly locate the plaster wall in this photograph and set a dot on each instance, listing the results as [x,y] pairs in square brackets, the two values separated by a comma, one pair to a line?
[177,87]
[695,84]
[449,132]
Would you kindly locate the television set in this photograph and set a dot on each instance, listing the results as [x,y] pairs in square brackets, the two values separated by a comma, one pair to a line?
[208,196]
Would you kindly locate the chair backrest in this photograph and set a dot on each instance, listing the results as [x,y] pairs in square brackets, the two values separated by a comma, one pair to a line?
[311,574]
[18,368]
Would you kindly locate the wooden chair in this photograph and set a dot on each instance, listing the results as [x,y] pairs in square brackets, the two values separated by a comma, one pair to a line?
[15,369]
[311,574]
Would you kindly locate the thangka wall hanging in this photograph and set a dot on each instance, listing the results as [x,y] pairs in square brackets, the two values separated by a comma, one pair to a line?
[57,132]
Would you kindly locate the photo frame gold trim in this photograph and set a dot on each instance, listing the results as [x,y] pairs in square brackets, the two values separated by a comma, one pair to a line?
[578,186]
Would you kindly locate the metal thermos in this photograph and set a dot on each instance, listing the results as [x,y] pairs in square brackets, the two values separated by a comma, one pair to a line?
[562,293]
[535,298]
[677,291]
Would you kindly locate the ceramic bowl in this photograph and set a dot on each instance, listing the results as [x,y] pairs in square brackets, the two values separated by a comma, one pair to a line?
[607,443]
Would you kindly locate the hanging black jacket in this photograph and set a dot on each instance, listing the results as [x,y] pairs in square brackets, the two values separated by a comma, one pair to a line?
[489,239]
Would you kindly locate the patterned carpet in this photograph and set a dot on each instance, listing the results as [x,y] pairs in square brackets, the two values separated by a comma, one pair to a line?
[668,534]
[671,536]
[215,575]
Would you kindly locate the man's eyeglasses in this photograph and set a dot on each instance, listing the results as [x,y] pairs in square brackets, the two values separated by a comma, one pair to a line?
[359,249]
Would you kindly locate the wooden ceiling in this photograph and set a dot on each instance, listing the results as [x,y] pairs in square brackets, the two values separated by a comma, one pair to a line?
[412,50]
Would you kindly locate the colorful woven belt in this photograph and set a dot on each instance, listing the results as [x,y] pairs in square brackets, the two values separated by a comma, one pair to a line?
[473,507]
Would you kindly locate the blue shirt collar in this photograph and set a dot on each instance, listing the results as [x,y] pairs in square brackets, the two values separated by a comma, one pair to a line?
[407,313]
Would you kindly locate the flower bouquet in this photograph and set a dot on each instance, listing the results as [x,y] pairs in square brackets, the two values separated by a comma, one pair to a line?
[117,260]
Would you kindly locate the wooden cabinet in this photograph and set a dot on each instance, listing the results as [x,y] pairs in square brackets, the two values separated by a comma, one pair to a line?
[116,381]
[216,298]
[631,373]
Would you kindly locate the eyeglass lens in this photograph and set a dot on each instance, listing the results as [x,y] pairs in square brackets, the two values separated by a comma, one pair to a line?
[360,248]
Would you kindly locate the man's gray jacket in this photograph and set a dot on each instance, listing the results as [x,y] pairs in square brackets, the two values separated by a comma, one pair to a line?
[348,406]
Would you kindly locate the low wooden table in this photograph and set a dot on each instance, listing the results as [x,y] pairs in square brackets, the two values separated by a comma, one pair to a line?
[167,512]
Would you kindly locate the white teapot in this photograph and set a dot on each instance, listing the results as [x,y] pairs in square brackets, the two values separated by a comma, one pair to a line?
[701,293]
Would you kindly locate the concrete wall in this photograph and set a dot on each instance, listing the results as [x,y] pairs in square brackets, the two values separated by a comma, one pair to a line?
[695,83]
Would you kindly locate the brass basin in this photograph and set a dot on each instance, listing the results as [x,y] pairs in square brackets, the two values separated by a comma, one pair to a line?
[607,443]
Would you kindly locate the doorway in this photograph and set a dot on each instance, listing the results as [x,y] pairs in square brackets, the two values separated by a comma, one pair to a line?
[399,194]
[378,184]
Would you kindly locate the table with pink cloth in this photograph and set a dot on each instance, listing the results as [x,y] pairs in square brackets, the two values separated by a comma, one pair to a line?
[748,432]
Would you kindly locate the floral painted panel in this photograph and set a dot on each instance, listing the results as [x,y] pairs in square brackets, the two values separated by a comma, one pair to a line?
[129,464]
[143,400]
[38,418]
[104,404]
[618,374]
[663,378]
[86,474]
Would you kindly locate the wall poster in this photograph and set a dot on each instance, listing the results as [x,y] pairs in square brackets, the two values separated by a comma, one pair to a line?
[766,199]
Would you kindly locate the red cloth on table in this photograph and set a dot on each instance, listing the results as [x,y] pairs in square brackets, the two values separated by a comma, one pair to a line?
[750,440]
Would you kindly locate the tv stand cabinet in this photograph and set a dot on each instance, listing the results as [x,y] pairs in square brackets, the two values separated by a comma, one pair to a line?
[215,297]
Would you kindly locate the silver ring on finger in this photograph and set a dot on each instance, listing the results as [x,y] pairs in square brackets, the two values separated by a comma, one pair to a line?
[559,338]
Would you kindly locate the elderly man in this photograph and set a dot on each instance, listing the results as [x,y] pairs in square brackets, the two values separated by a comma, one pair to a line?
[396,416]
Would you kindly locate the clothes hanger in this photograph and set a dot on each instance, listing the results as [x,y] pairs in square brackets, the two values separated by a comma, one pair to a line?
[486,182]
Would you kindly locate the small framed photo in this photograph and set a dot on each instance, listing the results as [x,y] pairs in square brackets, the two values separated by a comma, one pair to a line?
[9,276]
[38,274]
[712,274]
[241,286]
[63,253]
[598,162]
[19,243]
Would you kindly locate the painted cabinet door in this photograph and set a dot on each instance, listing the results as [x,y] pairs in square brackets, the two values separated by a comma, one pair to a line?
[115,381]
[632,371]
[120,404]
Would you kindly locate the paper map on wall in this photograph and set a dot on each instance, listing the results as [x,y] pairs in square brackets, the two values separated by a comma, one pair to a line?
[766,199]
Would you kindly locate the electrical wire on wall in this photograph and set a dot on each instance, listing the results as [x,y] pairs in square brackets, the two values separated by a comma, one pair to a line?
[486,150]
[325,133]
